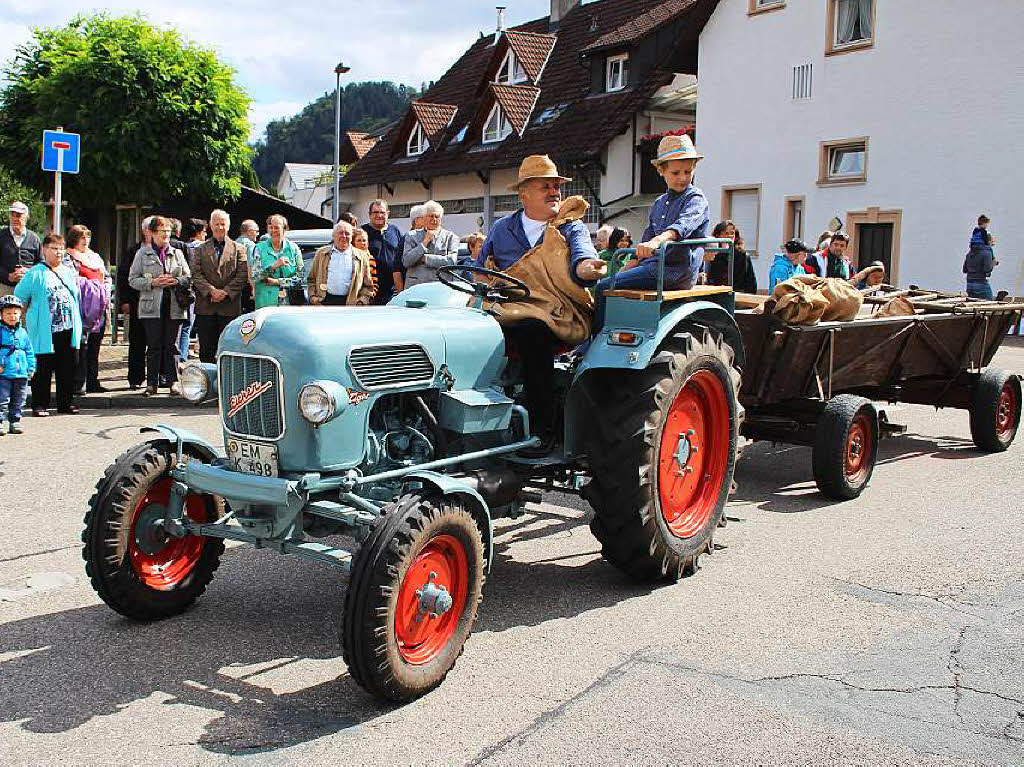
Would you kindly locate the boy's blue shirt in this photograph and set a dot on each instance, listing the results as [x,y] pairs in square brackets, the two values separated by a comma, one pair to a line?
[17,357]
[688,214]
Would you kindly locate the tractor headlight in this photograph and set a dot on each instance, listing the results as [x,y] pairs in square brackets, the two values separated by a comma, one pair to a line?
[320,401]
[198,381]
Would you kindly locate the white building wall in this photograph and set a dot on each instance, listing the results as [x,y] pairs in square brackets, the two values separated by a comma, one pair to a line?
[617,181]
[940,96]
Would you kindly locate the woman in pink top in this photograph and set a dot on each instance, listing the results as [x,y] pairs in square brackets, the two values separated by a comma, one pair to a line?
[94,287]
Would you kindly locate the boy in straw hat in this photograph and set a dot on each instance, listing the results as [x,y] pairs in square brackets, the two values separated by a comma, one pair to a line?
[682,213]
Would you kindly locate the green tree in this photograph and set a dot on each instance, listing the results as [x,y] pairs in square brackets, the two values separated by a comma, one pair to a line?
[160,117]
[10,190]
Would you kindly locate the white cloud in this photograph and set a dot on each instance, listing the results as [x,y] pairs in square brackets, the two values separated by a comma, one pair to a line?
[261,114]
[285,54]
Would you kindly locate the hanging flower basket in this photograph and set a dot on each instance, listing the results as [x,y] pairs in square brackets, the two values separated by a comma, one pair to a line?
[648,144]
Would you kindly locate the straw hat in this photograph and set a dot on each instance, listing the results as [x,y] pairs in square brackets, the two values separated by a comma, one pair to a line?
[676,148]
[537,166]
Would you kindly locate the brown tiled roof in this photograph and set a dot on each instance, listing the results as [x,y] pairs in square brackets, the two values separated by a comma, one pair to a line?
[517,101]
[362,143]
[433,118]
[639,25]
[586,124]
[531,49]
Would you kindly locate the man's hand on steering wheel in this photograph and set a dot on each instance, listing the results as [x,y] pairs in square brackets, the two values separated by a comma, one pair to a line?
[505,289]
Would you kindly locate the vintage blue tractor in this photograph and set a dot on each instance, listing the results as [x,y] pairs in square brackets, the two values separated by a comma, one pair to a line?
[399,426]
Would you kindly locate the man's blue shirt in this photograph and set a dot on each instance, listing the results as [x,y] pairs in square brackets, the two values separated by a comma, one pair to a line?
[507,243]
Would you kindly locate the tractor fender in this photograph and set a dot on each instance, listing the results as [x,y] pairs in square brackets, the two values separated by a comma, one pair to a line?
[700,313]
[475,503]
[184,438]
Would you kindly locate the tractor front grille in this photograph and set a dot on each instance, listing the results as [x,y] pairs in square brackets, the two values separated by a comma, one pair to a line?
[391,366]
[250,396]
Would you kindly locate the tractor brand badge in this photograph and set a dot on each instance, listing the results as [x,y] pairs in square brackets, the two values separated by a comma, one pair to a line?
[251,392]
[247,327]
[357,397]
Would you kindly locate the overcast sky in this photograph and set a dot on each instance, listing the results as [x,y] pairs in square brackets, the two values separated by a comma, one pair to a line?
[285,53]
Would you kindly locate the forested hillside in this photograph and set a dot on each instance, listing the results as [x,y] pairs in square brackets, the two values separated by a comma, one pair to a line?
[309,135]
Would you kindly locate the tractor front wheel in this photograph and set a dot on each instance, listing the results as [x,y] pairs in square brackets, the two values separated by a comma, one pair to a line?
[662,456]
[134,565]
[412,597]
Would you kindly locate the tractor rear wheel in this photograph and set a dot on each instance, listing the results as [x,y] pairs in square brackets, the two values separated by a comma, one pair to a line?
[134,565]
[412,597]
[662,456]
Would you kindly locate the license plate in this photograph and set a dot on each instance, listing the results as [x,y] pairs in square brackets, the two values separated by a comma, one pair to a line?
[253,457]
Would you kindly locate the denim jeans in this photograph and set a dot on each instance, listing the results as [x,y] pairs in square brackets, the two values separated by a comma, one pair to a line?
[979,289]
[13,392]
[186,333]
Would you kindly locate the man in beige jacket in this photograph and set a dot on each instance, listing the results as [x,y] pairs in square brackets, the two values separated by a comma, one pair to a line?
[340,275]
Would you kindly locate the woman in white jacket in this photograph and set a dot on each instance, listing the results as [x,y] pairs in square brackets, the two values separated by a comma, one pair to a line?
[428,249]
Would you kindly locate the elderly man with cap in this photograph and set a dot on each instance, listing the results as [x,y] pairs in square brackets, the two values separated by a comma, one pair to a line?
[682,213]
[540,191]
[20,248]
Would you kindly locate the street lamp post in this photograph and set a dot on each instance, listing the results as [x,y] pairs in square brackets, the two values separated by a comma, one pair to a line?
[338,72]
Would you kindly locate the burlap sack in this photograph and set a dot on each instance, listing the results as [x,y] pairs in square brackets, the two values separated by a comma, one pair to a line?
[897,307]
[805,300]
[798,303]
[555,299]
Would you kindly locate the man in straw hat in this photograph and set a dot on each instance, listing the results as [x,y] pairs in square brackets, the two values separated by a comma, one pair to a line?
[682,213]
[539,186]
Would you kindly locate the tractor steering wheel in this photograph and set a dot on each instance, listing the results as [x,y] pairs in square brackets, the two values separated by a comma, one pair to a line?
[507,289]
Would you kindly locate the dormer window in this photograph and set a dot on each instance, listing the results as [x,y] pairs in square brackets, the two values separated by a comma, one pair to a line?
[617,72]
[510,72]
[417,143]
[497,128]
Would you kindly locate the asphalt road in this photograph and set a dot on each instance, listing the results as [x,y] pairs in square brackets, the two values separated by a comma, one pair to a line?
[889,629]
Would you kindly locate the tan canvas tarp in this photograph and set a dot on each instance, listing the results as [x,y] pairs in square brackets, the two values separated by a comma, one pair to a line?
[555,298]
[806,300]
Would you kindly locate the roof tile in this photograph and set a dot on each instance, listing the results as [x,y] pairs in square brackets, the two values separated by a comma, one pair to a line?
[433,118]
[517,101]
[531,49]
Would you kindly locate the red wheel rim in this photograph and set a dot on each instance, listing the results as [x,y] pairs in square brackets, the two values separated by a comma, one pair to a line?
[165,561]
[857,459]
[1006,412]
[422,638]
[694,454]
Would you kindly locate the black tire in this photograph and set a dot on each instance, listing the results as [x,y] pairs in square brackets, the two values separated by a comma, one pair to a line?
[995,410]
[378,598]
[121,564]
[845,447]
[624,451]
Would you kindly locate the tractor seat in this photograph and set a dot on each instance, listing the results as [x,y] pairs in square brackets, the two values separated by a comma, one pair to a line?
[669,295]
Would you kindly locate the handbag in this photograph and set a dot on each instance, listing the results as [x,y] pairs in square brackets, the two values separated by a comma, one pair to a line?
[183,294]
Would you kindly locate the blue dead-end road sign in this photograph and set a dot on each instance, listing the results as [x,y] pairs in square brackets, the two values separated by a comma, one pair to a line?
[61,151]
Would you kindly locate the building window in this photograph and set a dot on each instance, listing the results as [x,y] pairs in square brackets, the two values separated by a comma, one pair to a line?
[417,143]
[583,181]
[843,161]
[464,205]
[803,78]
[401,210]
[762,6]
[505,203]
[510,72]
[793,225]
[851,25]
[617,76]
[742,205]
[497,128]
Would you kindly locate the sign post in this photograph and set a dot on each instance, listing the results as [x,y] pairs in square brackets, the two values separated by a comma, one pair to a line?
[61,154]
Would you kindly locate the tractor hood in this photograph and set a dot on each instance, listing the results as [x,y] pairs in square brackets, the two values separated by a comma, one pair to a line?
[265,358]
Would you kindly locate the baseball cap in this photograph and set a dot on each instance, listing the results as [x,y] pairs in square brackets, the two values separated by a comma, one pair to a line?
[796,246]
[18,207]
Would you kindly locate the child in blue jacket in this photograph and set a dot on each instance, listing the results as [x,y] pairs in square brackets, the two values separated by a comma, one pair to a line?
[17,363]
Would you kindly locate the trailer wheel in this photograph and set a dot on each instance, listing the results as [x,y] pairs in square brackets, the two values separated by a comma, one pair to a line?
[662,454]
[845,447]
[134,566]
[995,410]
[412,598]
